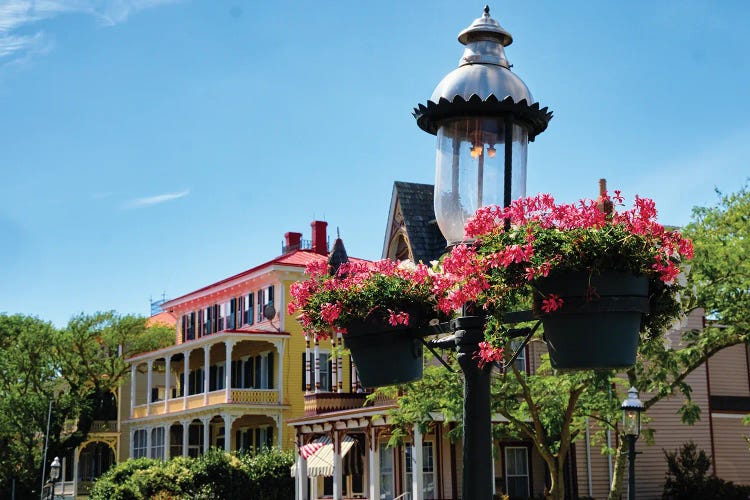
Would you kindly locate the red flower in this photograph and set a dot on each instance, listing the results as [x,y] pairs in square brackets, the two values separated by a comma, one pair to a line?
[395,319]
[487,353]
[551,303]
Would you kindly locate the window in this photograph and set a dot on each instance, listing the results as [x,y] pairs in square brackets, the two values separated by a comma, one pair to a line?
[517,472]
[428,469]
[386,472]
[264,371]
[249,309]
[208,321]
[520,362]
[231,314]
[222,314]
[254,439]
[325,372]
[140,448]
[157,443]
[188,326]
[266,297]
[216,378]
[195,439]
[195,381]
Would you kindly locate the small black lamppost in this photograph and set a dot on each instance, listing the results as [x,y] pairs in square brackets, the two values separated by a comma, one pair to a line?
[54,475]
[632,408]
[483,116]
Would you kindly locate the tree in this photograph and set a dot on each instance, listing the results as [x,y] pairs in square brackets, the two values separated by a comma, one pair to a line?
[29,380]
[72,368]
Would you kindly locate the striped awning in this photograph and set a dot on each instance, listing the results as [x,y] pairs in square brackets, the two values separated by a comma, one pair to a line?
[320,463]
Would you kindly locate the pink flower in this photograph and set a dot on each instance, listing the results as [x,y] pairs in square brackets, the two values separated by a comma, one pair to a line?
[551,303]
[330,312]
[488,353]
[395,319]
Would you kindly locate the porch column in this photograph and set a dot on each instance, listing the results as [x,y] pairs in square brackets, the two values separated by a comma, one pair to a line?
[132,389]
[132,442]
[76,458]
[185,436]
[355,376]
[206,373]
[228,419]
[301,477]
[280,365]
[374,465]
[307,363]
[334,366]
[185,377]
[313,488]
[229,345]
[167,441]
[316,374]
[417,481]
[206,427]
[277,420]
[148,441]
[337,466]
[167,380]
[340,361]
[150,364]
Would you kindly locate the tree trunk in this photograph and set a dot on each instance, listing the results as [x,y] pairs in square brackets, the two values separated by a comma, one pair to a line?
[557,478]
[620,470]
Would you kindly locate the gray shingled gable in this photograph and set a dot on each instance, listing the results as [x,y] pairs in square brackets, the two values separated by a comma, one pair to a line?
[417,207]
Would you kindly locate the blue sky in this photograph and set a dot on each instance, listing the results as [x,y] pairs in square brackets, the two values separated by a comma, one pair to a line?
[154,146]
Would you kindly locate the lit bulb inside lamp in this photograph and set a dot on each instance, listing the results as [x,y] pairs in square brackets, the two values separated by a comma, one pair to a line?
[491,151]
[476,151]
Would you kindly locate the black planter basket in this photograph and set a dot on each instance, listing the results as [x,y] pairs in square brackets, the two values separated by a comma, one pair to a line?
[384,354]
[599,322]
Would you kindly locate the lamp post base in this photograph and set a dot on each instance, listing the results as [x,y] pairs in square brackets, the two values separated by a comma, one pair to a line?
[477,448]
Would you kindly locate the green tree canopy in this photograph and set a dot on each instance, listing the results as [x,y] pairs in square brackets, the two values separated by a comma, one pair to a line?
[71,367]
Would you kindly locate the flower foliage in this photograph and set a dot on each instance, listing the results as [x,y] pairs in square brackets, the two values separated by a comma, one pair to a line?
[516,246]
[392,292]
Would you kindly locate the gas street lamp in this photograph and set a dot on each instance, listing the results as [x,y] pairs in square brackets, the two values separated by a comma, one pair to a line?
[632,408]
[54,475]
[483,116]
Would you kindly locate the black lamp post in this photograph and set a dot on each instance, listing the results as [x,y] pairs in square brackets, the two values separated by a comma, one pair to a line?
[632,408]
[54,475]
[483,116]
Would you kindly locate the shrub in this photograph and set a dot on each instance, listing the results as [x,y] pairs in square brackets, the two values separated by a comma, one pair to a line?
[217,475]
[688,478]
[269,472]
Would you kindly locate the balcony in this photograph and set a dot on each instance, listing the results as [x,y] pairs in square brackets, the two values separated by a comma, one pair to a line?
[249,397]
[326,402]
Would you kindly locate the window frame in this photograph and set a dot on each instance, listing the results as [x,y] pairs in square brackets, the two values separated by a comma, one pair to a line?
[426,444]
[507,475]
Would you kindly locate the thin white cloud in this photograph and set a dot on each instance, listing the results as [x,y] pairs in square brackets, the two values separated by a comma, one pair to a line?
[154,200]
[16,17]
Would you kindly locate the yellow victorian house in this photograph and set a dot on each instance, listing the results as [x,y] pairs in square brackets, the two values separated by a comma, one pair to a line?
[234,375]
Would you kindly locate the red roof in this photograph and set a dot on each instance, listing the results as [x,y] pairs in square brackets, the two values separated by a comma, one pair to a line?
[297,258]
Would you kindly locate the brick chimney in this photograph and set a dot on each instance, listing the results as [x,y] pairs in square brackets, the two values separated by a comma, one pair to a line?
[292,241]
[319,241]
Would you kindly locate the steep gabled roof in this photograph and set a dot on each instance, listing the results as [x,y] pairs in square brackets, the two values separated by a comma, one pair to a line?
[426,242]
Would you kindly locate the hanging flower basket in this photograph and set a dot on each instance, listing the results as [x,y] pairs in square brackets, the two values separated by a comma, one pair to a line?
[378,307]
[598,322]
[600,279]
[384,354]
